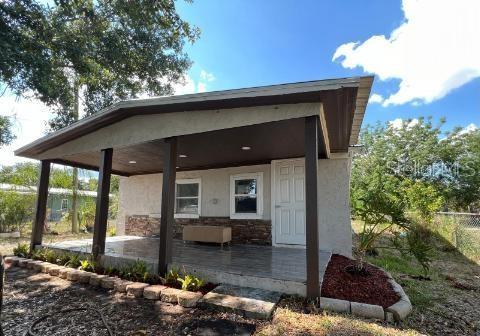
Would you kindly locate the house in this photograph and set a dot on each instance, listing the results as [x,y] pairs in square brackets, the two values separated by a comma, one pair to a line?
[59,199]
[271,162]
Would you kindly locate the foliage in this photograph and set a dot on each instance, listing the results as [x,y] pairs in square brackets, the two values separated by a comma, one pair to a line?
[15,210]
[73,261]
[6,135]
[86,214]
[191,283]
[172,276]
[103,50]
[87,265]
[22,250]
[423,198]
[112,231]
[135,271]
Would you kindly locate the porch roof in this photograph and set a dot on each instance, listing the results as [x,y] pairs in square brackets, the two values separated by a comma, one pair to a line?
[342,101]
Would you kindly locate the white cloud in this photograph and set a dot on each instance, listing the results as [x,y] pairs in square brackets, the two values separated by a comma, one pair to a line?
[434,51]
[206,76]
[375,98]
[469,129]
[29,117]
[397,124]
[189,85]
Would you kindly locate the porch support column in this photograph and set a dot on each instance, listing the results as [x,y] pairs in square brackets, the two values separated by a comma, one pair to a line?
[311,205]
[41,205]
[101,210]
[168,204]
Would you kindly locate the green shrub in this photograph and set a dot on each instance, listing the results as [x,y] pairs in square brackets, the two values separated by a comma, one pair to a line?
[15,210]
[135,272]
[73,261]
[190,283]
[22,250]
[171,278]
[49,255]
[87,265]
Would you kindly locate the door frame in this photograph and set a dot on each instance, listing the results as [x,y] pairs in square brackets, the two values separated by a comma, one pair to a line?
[273,195]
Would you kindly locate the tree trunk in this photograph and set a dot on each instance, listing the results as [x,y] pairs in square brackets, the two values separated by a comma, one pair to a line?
[2,271]
[74,201]
[76,88]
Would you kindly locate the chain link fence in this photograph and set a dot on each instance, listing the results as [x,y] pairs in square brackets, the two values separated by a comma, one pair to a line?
[462,230]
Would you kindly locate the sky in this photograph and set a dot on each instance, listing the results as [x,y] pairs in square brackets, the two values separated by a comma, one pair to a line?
[425,55]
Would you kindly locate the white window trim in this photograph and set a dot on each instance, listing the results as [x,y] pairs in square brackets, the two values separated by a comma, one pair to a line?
[189,181]
[61,204]
[259,177]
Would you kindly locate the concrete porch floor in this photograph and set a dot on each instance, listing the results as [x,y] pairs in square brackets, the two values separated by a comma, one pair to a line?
[273,268]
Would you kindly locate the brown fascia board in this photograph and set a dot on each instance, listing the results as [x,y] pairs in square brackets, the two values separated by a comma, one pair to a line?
[256,96]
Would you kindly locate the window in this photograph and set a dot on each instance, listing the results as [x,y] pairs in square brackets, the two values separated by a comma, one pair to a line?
[187,198]
[246,196]
[64,206]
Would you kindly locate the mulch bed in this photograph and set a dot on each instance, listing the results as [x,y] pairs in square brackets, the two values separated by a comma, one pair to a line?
[373,288]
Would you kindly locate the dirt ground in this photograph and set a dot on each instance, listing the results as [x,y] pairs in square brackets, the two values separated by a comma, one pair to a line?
[29,295]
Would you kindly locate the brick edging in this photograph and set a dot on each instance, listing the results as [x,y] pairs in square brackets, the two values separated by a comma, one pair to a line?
[132,289]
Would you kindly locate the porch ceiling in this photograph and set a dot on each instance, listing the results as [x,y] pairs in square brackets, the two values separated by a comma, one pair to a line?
[215,149]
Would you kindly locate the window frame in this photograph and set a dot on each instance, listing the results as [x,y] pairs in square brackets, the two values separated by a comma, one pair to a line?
[259,195]
[189,181]
[61,204]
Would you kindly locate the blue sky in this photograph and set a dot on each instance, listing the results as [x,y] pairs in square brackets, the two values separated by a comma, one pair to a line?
[249,43]
[425,55]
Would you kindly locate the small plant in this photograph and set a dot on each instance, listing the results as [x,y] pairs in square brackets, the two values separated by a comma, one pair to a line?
[63,259]
[49,256]
[191,283]
[112,231]
[135,272]
[73,261]
[110,270]
[87,265]
[37,254]
[22,250]
[171,278]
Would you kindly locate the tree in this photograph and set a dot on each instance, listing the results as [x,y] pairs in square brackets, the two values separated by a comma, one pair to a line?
[101,51]
[6,135]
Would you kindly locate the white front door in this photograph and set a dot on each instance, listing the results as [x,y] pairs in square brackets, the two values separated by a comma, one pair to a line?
[289,201]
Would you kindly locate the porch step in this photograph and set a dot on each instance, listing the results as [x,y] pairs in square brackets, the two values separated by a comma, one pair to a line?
[249,302]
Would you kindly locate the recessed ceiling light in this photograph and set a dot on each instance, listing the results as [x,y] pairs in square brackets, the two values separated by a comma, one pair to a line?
[245,148]
[132,161]
[182,156]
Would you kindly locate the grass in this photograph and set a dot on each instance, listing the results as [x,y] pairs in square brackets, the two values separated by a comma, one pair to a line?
[440,308]
[62,230]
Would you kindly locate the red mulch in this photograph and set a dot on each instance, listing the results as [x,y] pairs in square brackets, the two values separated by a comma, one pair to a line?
[373,288]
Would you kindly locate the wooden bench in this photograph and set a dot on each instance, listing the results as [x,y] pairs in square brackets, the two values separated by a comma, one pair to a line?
[207,234]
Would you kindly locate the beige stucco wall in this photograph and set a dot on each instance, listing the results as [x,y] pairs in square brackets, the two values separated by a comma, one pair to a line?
[335,229]
[141,195]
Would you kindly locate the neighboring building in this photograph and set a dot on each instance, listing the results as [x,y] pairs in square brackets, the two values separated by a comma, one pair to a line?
[59,200]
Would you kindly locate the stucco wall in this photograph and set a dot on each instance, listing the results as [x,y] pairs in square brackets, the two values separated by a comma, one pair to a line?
[335,229]
[141,195]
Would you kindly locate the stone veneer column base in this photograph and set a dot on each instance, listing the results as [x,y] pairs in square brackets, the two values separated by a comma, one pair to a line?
[244,231]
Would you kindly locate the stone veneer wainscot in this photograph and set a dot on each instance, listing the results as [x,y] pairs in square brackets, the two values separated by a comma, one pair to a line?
[244,231]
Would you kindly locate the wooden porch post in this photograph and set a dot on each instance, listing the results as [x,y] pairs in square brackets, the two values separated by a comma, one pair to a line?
[168,204]
[41,205]
[101,210]
[311,205]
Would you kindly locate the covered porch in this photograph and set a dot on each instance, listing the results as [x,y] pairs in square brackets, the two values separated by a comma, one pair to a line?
[310,120]
[280,269]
